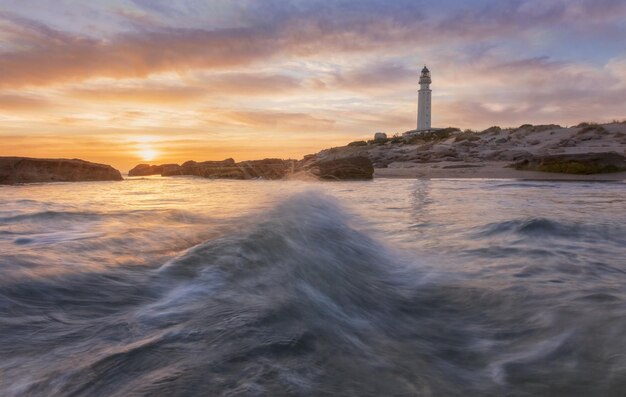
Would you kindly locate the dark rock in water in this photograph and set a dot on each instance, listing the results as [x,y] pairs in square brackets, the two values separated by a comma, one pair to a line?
[145,170]
[347,168]
[28,170]
[575,163]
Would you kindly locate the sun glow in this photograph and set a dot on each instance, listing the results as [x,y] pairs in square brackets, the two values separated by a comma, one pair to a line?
[147,153]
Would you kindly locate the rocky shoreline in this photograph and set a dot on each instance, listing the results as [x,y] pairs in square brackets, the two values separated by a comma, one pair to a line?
[543,152]
[345,168]
[550,152]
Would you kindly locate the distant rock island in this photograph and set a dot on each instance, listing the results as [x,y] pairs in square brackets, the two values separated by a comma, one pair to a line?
[29,170]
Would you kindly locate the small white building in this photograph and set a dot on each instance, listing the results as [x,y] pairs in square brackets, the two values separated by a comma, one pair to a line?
[423,101]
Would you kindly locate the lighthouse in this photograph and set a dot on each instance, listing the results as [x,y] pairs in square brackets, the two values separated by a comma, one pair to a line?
[423,101]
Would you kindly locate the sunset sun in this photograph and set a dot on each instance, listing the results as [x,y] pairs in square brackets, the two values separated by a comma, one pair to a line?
[147,153]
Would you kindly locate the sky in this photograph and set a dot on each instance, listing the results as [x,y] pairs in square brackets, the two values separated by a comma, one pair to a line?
[164,81]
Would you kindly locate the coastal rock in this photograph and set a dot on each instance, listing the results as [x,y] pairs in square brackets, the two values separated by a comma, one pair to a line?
[145,170]
[267,168]
[575,163]
[347,168]
[212,169]
[29,170]
[506,155]
[228,169]
[171,170]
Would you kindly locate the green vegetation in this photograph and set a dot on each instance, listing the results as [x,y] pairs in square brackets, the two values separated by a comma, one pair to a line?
[358,143]
[591,127]
[467,135]
[438,135]
[396,138]
[584,124]
[492,130]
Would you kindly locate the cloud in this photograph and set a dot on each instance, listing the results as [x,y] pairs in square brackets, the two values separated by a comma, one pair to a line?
[296,29]
[141,94]
[248,84]
[15,102]
[70,57]
[376,75]
[275,121]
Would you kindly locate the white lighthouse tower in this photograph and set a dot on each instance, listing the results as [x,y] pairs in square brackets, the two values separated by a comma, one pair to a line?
[423,101]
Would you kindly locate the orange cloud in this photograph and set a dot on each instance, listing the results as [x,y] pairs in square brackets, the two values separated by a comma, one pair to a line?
[14,102]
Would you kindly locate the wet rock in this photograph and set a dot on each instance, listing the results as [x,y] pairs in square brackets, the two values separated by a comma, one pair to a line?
[575,163]
[28,170]
[347,168]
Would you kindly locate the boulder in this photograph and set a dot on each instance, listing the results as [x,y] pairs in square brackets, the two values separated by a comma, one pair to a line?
[29,170]
[347,168]
[574,163]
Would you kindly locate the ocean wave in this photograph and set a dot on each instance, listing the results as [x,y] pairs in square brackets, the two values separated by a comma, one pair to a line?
[51,215]
[538,227]
[299,301]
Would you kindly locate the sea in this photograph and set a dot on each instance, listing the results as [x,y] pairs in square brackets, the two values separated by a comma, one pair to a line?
[393,287]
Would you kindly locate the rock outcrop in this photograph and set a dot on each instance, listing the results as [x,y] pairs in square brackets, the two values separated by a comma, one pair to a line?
[575,163]
[30,170]
[345,168]
[145,170]
[225,169]
[267,168]
[337,169]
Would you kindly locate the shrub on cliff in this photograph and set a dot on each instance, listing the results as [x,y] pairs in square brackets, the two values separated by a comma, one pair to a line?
[467,135]
[492,130]
[591,128]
